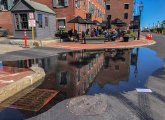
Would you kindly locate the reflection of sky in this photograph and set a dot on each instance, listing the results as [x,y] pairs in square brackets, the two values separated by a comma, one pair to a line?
[147,63]
[11,114]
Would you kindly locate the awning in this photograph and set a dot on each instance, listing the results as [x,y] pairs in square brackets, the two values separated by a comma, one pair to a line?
[77,19]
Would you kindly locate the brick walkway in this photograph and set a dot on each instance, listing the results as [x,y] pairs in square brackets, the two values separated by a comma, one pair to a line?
[117,44]
[9,75]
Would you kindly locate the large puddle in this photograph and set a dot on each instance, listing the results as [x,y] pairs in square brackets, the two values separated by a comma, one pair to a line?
[82,72]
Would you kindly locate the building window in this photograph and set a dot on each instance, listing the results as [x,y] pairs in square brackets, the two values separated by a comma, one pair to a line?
[125,15]
[77,3]
[4,4]
[84,6]
[46,21]
[60,3]
[21,21]
[117,67]
[108,7]
[40,24]
[78,75]
[126,6]
[64,78]
[61,23]
[7,4]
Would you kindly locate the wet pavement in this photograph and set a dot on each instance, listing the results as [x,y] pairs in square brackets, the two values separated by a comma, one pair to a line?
[114,73]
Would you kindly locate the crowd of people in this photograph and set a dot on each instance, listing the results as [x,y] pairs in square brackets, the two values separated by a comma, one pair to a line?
[110,34]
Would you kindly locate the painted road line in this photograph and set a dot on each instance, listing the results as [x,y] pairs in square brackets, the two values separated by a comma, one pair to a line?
[143,90]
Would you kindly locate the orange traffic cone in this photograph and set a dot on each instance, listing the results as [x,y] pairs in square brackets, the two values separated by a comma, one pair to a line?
[150,37]
[25,39]
[147,36]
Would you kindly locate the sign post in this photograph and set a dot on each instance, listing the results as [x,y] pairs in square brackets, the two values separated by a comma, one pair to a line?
[32,23]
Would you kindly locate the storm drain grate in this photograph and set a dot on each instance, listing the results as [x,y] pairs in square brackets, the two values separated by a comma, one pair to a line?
[35,100]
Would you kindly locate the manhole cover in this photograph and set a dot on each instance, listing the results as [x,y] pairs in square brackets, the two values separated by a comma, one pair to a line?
[88,105]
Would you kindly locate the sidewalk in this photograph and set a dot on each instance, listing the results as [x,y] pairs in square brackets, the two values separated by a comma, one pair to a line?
[5,48]
[41,42]
[106,45]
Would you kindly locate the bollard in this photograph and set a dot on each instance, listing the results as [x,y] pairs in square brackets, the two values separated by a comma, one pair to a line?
[25,39]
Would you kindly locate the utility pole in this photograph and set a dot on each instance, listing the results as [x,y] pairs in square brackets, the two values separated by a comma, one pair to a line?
[141,9]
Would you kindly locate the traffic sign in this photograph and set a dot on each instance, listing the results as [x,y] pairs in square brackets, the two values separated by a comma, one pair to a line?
[31,16]
[32,23]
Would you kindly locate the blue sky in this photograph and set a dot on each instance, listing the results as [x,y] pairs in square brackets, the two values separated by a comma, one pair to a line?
[154,11]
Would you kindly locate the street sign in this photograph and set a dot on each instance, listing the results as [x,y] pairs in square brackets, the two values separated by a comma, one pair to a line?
[61,26]
[31,16]
[32,23]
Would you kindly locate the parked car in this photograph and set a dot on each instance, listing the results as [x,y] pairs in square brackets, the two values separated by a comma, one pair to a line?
[3,32]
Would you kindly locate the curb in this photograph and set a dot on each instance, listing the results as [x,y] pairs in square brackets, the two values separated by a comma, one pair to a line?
[106,47]
[25,82]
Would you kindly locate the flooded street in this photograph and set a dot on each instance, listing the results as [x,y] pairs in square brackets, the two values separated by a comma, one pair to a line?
[110,71]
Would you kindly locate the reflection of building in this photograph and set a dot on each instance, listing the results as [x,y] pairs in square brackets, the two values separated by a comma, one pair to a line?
[70,73]
[116,67]
[75,71]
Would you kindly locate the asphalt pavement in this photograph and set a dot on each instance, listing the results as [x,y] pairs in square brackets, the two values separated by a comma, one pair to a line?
[10,52]
[124,106]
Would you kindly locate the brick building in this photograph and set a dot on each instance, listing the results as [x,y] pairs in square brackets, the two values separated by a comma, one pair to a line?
[68,9]
[122,9]
[5,15]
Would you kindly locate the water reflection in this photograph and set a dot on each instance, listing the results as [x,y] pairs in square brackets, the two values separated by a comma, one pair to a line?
[127,75]
[91,72]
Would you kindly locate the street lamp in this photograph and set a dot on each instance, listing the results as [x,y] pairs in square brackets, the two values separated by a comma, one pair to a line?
[141,6]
